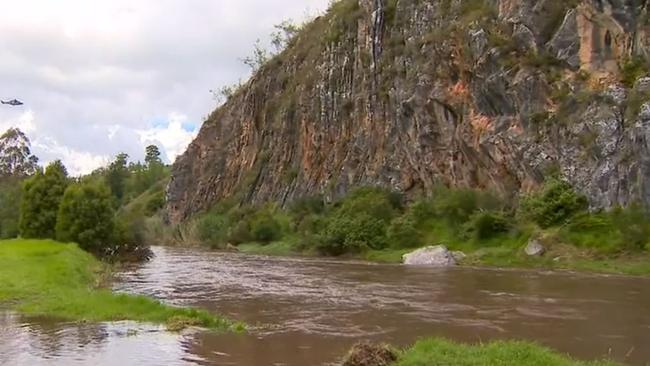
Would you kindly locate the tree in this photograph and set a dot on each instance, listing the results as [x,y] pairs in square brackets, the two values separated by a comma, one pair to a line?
[152,156]
[16,159]
[10,194]
[117,174]
[258,59]
[86,217]
[284,34]
[42,196]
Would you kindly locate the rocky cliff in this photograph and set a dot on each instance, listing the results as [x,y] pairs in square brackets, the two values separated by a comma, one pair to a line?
[412,93]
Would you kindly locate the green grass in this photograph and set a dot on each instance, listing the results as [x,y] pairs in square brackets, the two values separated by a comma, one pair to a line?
[501,252]
[440,352]
[47,278]
[277,249]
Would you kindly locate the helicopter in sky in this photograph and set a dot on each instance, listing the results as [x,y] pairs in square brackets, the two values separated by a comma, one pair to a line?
[13,102]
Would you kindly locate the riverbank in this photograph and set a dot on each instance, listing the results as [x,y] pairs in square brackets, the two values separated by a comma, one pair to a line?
[557,257]
[47,278]
[441,352]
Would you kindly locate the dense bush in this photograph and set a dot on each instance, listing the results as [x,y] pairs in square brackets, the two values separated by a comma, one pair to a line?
[10,195]
[154,203]
[402,233]
[456,206]
[633,223]
[265,228]
[376,219]
[485,225]
[213,229]
[352,234]
[553,205]
[86,217]
[375,202]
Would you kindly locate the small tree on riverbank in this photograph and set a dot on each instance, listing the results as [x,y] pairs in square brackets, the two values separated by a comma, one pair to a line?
[86,217]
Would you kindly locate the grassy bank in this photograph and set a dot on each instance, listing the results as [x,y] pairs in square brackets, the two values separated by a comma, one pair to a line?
[47,278]
[439,352]
[379,225]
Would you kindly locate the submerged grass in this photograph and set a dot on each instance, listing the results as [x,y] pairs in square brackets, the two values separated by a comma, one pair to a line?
[440,352]
[47,278]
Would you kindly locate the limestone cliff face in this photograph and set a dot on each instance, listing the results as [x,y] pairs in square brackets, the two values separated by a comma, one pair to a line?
[411,93]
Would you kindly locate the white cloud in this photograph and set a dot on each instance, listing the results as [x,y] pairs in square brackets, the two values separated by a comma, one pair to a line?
[77,162]
[23,121]
[96,75]
[173,138]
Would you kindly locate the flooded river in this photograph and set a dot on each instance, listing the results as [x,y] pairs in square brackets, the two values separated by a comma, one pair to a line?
[310,311]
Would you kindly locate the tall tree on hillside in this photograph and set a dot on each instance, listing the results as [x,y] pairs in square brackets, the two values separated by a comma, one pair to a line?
[40,202]
[117,174]
[152,155]
[16,159]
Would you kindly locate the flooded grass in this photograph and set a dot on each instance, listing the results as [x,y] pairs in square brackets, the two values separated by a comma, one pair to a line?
[440,352]
[46,278]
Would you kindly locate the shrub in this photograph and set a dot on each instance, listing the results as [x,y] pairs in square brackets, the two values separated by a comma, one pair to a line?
[10,193]
[374,202]
[553,205]
[456,206]
[633,69]
[633,223]
[240,233]
[422,210]
[403,234]
[213,229]
[154,203]
[129,227]
[485,225]
[265,228]
[86,217]
[345,234]
[307,205]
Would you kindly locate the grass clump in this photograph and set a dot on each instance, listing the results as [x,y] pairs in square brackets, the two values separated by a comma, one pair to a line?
[440,352]
[47,278]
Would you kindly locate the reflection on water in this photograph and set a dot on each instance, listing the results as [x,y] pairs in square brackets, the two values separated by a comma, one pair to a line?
[309,312]
[32,341]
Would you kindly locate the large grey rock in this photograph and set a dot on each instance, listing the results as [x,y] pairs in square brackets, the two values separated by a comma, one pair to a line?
[438,256]
[535,248]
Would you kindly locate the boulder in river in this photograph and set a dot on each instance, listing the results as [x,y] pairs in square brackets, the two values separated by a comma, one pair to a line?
[534,248]
[368,354]
[438,256]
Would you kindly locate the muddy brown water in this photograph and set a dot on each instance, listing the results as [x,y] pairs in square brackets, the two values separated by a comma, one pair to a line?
[310,311]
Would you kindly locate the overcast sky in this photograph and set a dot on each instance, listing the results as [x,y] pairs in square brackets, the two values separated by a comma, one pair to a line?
[107,76]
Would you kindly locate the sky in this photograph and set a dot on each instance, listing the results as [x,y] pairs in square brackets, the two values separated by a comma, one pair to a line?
[102,77]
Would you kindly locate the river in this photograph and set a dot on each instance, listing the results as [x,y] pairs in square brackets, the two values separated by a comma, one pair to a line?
[310,311]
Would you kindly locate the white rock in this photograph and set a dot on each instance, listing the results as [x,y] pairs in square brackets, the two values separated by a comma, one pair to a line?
[534,248]
[438,256]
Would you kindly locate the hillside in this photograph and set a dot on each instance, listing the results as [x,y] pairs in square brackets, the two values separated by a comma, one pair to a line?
[409,94]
